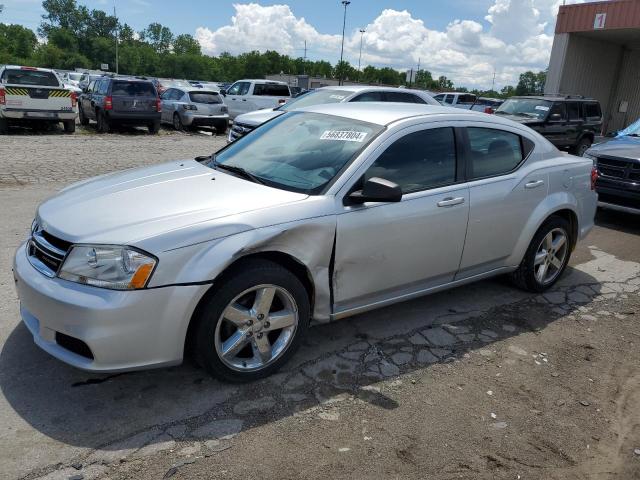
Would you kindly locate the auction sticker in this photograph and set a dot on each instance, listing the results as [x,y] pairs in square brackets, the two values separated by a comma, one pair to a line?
[544,108]
[337,97]
[343,135]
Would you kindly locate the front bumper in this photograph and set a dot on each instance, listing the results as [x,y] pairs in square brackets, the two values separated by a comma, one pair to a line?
[123,330]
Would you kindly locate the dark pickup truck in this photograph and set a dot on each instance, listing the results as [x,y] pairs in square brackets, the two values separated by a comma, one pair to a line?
[569,122]
[618,164]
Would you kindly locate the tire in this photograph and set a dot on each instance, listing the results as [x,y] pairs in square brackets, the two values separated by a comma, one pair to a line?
[84,121]
[154,127]
[214,332]
[529,275]
[583,145]
[177,122]
[69,126]
[221,128]
[103,122]
[4,126]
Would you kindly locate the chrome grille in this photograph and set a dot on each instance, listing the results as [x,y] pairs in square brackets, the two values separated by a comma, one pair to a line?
[46,252]
[239,130]
[619,168]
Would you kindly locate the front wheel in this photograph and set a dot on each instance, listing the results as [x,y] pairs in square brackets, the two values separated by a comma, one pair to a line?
[154,127]
[546,258]
[84,121]
[103,123]
[69,126]
[253,323]
[582,146]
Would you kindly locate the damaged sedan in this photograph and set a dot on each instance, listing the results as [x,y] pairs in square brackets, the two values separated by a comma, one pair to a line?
[319,214]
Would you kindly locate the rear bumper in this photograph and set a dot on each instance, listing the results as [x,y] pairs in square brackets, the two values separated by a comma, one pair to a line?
[43,115]
[133,117]
[204,120]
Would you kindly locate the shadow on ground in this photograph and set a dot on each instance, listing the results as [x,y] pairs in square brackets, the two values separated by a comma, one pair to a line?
[128,411]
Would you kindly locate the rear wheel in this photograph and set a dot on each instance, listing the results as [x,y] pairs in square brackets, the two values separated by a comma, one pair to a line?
[583,145]
[69,126]
[4,126]
[547,256]
[177,122]
[84,121]
[154,127]
[103,122]
[221,128]
[253,323]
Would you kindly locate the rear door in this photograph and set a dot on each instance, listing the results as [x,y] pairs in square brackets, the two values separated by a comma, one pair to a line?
[87,101]
[555,128]
[133,96]
[38,94]
[576,122]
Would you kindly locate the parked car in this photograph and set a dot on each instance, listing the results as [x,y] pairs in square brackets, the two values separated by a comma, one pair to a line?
[232,256]
[73,78]
[457,99]
[569,122]
[87,78]
[194,107]
[487,105]
[120,101]
[618,163]
[245,123]
[249,95]
[35,97]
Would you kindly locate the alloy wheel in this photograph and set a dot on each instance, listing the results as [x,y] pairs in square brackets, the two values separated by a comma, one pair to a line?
[550,256]
[256,328]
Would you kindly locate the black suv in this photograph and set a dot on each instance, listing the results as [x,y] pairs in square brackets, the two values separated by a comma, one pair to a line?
[569,122]
[118,100]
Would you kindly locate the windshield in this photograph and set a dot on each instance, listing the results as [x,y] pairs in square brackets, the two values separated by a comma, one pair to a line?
[205,97]
[30,77]
[525,107]
[317,97]
[299,151]
[632,130]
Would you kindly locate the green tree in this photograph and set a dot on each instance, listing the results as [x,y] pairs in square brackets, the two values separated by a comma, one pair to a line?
[16,43]
[531,83]
[186,45]
[160,37]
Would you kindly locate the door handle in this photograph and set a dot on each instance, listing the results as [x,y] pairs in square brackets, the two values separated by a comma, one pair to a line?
[534,184]
[244,99]
[450,201]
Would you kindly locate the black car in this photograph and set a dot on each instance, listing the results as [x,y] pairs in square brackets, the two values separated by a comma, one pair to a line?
[569,122]
[120,101]
[618,163]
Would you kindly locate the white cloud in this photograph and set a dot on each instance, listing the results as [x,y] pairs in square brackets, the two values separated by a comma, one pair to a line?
[518,36]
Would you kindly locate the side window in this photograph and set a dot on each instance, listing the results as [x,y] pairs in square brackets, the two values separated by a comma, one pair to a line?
[104,87]
[259,89]
[237,87]
[560,109]
[449,99]
[91,86]
[592,111]
[369,97]
[244,88]
[417,99]
[439,98]
[574,111]
[418,161]
[466,99]
[167,94]
[399,97]
[493,152]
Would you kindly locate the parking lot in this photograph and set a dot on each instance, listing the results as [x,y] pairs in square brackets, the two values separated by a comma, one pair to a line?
[480,382]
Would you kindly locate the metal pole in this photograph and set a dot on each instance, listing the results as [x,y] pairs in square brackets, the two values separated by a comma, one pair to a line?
[116,17]
[344,22]
[362,30]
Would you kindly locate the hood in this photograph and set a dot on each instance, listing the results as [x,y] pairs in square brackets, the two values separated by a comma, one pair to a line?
[520,119]
[138,204]
[625,147]
[258,117]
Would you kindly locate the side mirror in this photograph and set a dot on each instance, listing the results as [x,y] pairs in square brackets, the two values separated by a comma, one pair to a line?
[376,190]
[555,117]
[85,90]
[223,92]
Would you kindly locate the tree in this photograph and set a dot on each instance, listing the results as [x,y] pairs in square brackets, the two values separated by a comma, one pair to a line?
[186,45]
[345,71]
[531,83]
[159,37]
[17,43]
[508,91]
[444,83]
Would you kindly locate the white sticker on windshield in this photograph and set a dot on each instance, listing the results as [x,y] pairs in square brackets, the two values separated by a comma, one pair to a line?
[337,97]
[542,107]
[343,135]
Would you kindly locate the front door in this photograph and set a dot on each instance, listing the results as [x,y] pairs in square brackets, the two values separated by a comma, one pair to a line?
[389,250]
[236,98]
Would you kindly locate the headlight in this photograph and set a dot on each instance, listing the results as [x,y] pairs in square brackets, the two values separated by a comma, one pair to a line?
[108,266]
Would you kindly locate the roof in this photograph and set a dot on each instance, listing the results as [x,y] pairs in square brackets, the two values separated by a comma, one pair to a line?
[19,67]
[384,113]
[359,88]
[261,80]
[556,98]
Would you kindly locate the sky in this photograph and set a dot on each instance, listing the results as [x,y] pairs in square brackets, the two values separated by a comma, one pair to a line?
[465,40]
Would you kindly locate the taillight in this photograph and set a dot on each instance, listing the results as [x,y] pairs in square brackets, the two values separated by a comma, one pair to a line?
[594,177]
[158,104]
[74,99]
[108,103]
[488,110]
[3,99]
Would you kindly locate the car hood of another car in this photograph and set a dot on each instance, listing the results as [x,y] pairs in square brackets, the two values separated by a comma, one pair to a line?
[258,117]
[139,204]
[625,147]
[525,120]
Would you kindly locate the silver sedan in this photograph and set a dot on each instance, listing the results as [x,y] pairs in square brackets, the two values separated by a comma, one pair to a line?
[194,107]
[320,214]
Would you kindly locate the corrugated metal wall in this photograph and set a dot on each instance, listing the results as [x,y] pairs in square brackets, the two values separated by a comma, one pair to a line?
[628,89]
[581,17]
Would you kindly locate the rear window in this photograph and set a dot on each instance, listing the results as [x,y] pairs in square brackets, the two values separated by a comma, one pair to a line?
[271,90]
[133,89]
[30,77]
[205,97]
[466,99]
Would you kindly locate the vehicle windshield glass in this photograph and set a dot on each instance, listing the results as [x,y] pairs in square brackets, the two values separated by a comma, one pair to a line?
[299,151]
[317,97]
[30,77]
[204,97]
[133,89]
[525,107]
[632,130]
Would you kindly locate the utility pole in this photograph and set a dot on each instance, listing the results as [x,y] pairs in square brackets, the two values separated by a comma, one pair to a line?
[304,60]
[344,22]
[362,31]
[116,17]
[418,71]
[493,83]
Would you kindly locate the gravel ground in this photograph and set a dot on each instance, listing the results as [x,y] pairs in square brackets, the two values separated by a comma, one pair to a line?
[480,382]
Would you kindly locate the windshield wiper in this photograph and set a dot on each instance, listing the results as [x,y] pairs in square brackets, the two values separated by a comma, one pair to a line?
[501,112]
[237,170]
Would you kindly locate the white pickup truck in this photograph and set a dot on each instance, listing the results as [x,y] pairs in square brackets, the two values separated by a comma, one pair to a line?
[249,95]
[35,97]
